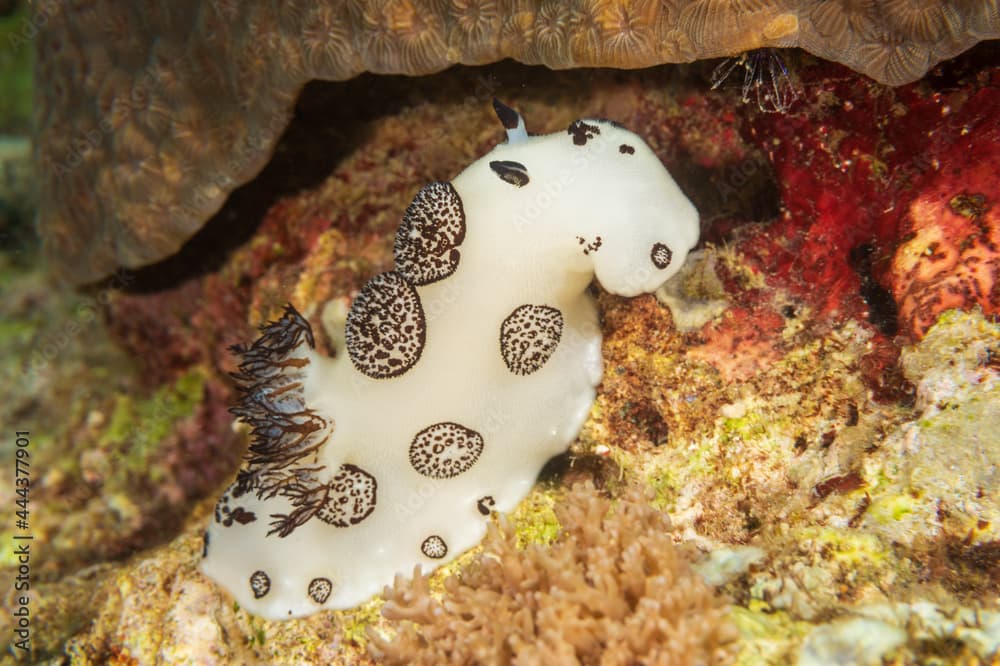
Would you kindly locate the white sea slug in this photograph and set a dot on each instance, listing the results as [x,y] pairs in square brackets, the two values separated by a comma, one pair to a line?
[466,368]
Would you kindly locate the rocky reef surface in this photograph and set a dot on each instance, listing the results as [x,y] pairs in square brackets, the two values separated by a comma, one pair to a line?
[799,432]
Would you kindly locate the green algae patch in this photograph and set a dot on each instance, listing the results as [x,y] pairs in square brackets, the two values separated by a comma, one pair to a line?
[356,622]
[768,638]
[137,426]
[892,508]
[535,519]
[664,484]
[748,427]
[848,547]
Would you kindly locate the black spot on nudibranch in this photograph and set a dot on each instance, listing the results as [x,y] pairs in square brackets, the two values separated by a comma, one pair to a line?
[241,516]
[204,544]
[529,336]
[260,584]
[434,547]
[485,505]
[426,247]
[514,173]
[626,149]
[351,497]
[508,116]
[386,330]
[226,516]
[445,450]
[319,589]
[592,246]
[582,132]
[661,255]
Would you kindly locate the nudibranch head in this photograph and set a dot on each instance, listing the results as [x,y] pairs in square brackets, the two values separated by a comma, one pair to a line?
[465,369]
[604,196]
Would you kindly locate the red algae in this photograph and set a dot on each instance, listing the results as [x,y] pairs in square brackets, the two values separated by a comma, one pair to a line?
[854,161]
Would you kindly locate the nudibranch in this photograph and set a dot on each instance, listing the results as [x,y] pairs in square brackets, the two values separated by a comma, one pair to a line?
[463,370]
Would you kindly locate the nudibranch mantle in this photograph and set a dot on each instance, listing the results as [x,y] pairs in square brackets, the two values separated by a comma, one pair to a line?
[463,370]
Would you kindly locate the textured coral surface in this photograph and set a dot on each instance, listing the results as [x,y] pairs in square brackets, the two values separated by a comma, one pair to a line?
[827,459]
[611,589]
[150,113]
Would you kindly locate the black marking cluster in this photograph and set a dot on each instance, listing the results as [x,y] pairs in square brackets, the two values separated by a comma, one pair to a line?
[226,516]
[514,173]
[426,248]
[434,547]
[386,329]
[319,589]
[661,255]
[350,497]
[626,149]
[260,584]
[529,336]
[582,132]
[485,505]
[592,246]
[445,450]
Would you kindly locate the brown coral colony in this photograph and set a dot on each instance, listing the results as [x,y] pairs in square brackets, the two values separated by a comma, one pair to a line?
[125,184]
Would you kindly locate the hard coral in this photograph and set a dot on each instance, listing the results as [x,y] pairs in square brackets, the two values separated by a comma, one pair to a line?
[612,589]
[150,113]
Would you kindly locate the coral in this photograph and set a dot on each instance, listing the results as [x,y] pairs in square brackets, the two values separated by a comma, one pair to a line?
[611,589]
[149,114]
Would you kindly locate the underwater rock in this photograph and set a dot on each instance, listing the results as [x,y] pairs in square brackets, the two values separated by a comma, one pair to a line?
[939,474]
[850,642]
